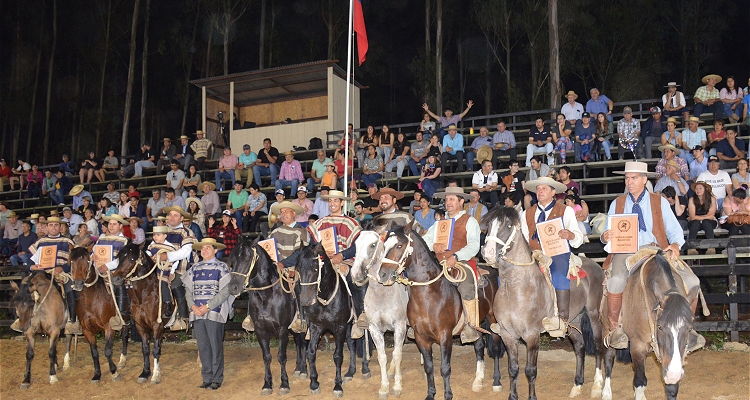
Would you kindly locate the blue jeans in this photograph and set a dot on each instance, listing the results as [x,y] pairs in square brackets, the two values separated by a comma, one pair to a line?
[728,109]
[430,186]
[471,155]
[57,196]
[227,174]
[140,165]
[17,260]
[716,109]
[415,171]
[294,183]
[371,178]
[272,170]
[196,230]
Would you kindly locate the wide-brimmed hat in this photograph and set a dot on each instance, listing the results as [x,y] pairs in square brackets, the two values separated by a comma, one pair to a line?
[276,208]
[571,93]
[330,164]
[53,213]
[209,183]
[672,120]
[76,189]
[334,194]
[289,153]
[178,209]
[136,219]
[545,180]
[199,133]
[184,137]
[166,139]
[452,127]
[390,191]
[708,187]
[162,229]
[634,167]
[670,147]
[709,76]
[34,217]
[208,242]
[455,191]
[484,153]
[196,200]
[56,220]
[672,163]
[694,119]
[116,217]
[12,214]
[671,84]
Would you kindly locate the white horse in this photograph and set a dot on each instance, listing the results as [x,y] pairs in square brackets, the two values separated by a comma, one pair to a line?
[385,307]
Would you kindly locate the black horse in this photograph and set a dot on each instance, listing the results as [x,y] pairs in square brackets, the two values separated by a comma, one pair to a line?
[328,307]
[271,306]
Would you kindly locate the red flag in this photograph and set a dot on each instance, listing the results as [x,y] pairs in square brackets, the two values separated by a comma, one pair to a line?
[359,27]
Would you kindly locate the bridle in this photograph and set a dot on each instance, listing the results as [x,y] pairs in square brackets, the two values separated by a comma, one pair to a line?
[506,245]
[321,264]
[444,272]
[404,256]
[250,270]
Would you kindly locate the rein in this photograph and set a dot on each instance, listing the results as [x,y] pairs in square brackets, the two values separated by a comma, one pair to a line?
[445,271]
[506,246]
[651,324]
[281,277]
[49,289]
[321,264]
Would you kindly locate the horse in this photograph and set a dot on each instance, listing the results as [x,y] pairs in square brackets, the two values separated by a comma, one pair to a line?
[140,271]
[95,308]
[435,308]
[272,307]
[657,317]
[385,307]
[525,298]
[40,308]
[328,307]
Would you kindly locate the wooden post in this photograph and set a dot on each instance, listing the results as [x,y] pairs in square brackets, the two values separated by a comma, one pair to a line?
[734,335]
[231,112]
[203,109]
[554,57]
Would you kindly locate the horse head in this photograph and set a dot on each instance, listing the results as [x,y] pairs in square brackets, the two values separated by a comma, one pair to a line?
[398,250]
[22,302]
[370,253]
[130,258]
[80,267]
[504,239]
[241,263]
[38,284]
[316,274]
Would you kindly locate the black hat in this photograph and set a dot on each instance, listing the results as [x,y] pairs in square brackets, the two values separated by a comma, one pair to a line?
[713,158]
[585,115]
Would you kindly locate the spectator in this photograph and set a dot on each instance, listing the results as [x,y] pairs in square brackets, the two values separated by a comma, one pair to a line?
[429,179]
[91,224]
[318,169]
[4,213]
[82,238]
[485,182]
[139,236]
[671,136]
[227,232]
[653,129]
[604,135]
[110,163]
[192,180]
[19,173]
[719,180]
[306,204]
[176,178]
[48,185]
[371,205]
[715,136]
[678,204]
[699,164]
[434,149]
[13,229]
[78,194]
[510,201]
[67,166]
[72,219]
[572,110]
[200,149]
[171,199]
[741,177]
[385,146]
[34,182]
[449,118]
[86,205]
[474,208]
[731,98]
[599,104]
[111,193]
[369,138]
[453,149]
[707,97]
[674,102]
[585,135]
[737,204]
[414,204]
[418,153]
[5,174]
[628,131]
[166,155]
[25,240]
[137,209]
[730,150]
[373,166]
[154,206]
[290,174]
[330,177]
[669,153]
[89,166]
[537,170]
[227,163]
[701,211]
[484,139]
[504,143]
[339,169]
[320,207]
[237,201]
[540,140]
[245,166]
[512,181]
[673,179]
[184,154]
[359,213]
[145,160]
[123,206]
[745,103]
[427,126]
[343,144]
[425,215]
[563,176]
[62,188]
[693,136]
[561,131]
[439,214]
[574,202]
[399,155]
[195,209]
[266,165]
[256,208]
[210,199]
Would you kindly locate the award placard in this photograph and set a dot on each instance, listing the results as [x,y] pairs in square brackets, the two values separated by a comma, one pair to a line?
[269,245]
[444,233]
[549,237]
[329,240]
[624,233]
[103,254]
[48,256]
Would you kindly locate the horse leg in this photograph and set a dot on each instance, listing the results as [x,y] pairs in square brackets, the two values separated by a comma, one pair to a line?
[29,357]
[377,337]
[398,346]
[672,391]
[580,352]
[597,328]
[156,376]
[351,344]
[511,345]
[429,368]
[366,354]
[283,340]
[496,344]
[66,359]
[479,376]
[91,338]
[125,336]
[338,359]
[446,349]
[312,348]
[638,354]
[53,338]
[145,349]
[265,345]
[109,338]
[300,368]
[609,362]
[532,353]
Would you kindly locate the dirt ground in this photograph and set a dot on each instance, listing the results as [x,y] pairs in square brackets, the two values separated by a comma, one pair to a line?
[716,375]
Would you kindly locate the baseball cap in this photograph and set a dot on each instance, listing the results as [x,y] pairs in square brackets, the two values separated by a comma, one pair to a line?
[713,158]
[280,191]
[654,110]
[302,189]
[226,212]
[585,115]
[67,209]
[697,147]
[372,185]
[627,110]
[245,146]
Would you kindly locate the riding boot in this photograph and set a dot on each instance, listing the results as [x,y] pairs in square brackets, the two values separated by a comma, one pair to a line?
[180,323]
[557,326]
[695,340]
[166,299]
[358,298]
[469,333]
[616,339]
[121,295]
[73,327]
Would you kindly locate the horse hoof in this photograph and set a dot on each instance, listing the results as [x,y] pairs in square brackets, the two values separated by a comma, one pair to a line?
[315,391]
[95,381]
[575,392]
[155,380]
[497,389]
[347,379]
[296,374]
[477,387]
[140,380]
[116,377]
[266,392]
[283,391]
[53,379]
[303,376]
[25,385]
[338,393]
[367,375]
[596,393]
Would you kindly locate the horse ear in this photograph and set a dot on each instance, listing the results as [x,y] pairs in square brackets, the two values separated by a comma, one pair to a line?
[256,240]
[407,227]
[318,249]
[14,286]
[26,280]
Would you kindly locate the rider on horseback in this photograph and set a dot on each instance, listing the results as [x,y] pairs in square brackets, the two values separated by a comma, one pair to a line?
[657,228]
[391,215]
[465,246]
[117,241]
[547,209]
[290,236]
[160,243]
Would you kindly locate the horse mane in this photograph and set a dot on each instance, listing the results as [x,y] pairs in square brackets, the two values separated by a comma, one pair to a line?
[23,296]
[498,213]
[401,234]
[674,308]
[78,253]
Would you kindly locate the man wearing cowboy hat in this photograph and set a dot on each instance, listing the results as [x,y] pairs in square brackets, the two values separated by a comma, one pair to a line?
[465,246]
[674,102]
[184,154]
[210,199]
[391,215]
[720,181]
[116,240]
[670,153]
[206,287]
[290,236]
[572,110]
[692,136]
[547,209]
[167,153]
[200,148]
[184,238]
[707,97]
[78,194]
[290,174]
[472,154]
[657,227]
[453,149]
[673,179]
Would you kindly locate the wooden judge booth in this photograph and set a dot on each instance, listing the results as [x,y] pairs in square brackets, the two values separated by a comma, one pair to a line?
[290,105]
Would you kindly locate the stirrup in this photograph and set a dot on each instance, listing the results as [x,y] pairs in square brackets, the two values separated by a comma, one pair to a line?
[73,328]
[16,325]
[248,325]
[179,325]
[617,339]
[357,332]
[469,334]
[555,326]
[116,323]
[299,325]
[696,341]
[410,333]
[363,322]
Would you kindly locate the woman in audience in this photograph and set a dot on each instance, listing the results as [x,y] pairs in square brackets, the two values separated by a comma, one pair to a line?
[195,208]
[256,208]
[429,180]
[604,133]
[671,136]
[678,204]
[90,221]
[385,148]
[192,181]
[339,168]
[716,136]
[398,159]
[369,138]
[373,166]
[701,211]
[741,176]
[139,236]
[330,177]
[736,213]
[88,167]
[83,237]
[34,182]
[123,206]
[86,204]
[582,215]
[425,216]
[731,96]
[561,136]
[435,148]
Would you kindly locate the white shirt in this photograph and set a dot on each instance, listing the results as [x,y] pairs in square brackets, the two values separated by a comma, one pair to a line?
[718,182]
[569,222]
[572,112]
[678,100]
[478,179]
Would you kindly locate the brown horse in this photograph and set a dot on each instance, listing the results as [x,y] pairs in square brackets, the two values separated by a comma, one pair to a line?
[139,270]
[435,307]
[40,308]
[95,307]
[524,298]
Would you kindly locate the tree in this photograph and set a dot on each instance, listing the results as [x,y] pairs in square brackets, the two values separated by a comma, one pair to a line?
[493,19]
[144,71]
[131,73]
[262,41]
[333,15]
[105,48]
[232,10]
[554,56]
[49,81]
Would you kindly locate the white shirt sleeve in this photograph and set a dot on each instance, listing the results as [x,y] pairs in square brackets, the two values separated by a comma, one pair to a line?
[181,254]
[112,265]
[571,224]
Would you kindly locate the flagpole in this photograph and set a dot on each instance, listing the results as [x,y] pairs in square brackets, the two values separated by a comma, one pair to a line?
[348,99]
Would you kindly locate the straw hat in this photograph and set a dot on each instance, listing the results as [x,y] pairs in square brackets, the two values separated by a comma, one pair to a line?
[330,163]
[455,191]
[694,119]
[178,209]
[116,217]
[571,93]
[708,187]
[140,221]
[709,76]
[199,133]
[210,184]
[184,137]
[334,194]
[76,189]
[196,200]
[56,220]
[672,120]
[276,208]
[545,180]
[289,153]
[670,147]
[166,139]
[34,217]
[635,167]
[673,163]
[208,242]
[484,153]
[386,190]
[53,213]
[162,229]
[12,214]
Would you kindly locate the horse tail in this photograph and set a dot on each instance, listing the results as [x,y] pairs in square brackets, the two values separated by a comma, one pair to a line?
[588,335]
[623,355]
[493,350]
